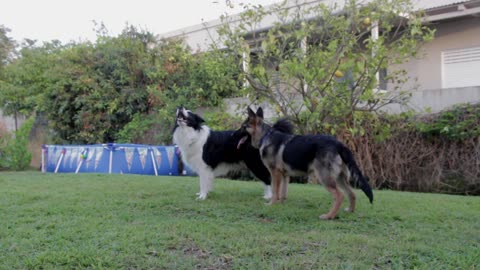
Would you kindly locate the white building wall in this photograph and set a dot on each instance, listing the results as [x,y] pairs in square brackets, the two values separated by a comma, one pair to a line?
[435,100]
[8,122]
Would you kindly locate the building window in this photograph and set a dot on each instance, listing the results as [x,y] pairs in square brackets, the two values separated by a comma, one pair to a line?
[461,67]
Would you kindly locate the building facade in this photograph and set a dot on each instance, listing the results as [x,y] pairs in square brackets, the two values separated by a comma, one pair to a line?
[448,72]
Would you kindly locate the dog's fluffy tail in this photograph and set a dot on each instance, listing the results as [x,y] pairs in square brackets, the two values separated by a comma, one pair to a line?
[284,125]
[357,175]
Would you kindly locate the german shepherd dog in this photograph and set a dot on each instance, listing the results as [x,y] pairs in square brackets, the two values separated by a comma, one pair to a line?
[321,157]
[215,153]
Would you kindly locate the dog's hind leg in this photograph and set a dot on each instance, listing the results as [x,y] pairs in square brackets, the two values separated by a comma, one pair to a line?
[343,182]
[284,188]
[337,202]
[327,174]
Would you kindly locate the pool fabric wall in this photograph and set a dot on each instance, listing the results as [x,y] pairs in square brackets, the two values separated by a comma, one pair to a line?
[113,158]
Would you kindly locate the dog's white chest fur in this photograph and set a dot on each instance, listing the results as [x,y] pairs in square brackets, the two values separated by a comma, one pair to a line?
[191,142]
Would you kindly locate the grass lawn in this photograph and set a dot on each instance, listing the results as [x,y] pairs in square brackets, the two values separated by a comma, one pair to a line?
[95,221]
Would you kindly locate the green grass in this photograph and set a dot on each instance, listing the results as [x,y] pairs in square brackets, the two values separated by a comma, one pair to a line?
[94,221]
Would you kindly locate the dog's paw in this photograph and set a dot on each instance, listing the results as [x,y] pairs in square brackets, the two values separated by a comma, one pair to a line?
[272,202]
[267,193]
[348,209]
[326,217]
[201,196]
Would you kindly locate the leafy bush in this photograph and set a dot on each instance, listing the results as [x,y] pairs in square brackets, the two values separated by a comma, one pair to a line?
[138,130]
[14,154]
[219,120]
[185,79]
[459,123]
[416,153]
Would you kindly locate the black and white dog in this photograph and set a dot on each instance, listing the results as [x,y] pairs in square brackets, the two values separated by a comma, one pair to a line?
[215,153]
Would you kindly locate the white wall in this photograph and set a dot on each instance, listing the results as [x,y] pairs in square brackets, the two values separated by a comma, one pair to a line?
[439,99]
[9,122]
[434,100]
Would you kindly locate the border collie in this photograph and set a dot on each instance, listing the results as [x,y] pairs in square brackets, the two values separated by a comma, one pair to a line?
[215,153]
[321,157]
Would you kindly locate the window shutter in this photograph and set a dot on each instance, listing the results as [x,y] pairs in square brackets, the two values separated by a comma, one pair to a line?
[461,67]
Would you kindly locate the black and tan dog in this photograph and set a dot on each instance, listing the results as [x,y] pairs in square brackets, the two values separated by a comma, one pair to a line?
[321,157]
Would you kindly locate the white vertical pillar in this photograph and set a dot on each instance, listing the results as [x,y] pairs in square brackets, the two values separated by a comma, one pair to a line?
[245,60]
[303,47]
[375,33]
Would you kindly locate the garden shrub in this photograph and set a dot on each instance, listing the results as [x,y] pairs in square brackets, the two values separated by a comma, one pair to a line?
[14,154]
[141,129]
[431,153]
[459,123]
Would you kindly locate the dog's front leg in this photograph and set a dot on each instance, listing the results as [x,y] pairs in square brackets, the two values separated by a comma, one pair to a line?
[206,182]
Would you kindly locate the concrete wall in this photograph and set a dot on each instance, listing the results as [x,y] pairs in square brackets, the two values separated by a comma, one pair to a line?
[433,100]
[9,122]
[436,100]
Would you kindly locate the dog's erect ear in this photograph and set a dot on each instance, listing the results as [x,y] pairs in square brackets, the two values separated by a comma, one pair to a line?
[251,114]
[260,112]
